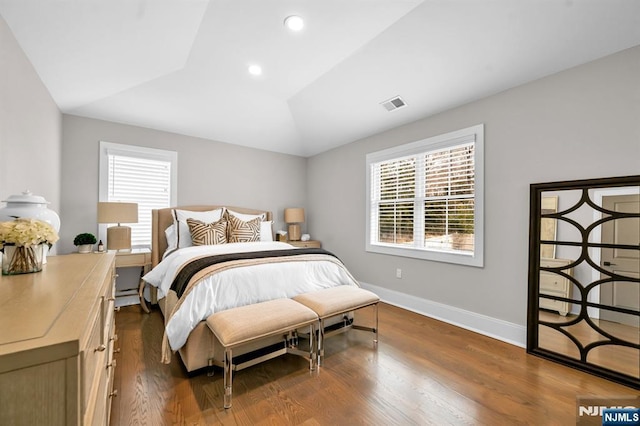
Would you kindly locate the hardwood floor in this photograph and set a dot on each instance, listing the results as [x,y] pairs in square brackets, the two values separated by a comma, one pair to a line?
[423,372]
[619,358]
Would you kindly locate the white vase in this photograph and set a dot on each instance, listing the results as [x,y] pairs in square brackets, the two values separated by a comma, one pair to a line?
[27,205]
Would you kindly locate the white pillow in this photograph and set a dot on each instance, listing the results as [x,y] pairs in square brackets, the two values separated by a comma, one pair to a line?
[183,234]
[247,217]
[172,238]
[266,232]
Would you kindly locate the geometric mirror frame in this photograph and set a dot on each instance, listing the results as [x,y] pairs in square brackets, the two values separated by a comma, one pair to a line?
[584,276]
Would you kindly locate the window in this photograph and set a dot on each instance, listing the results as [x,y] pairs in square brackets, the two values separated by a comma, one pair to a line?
[425,199]
[140,175]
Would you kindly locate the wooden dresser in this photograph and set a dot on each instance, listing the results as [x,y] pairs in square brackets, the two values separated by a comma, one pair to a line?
[57,335]
[556,285]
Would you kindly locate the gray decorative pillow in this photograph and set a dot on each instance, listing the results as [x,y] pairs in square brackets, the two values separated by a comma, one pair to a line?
[205,234]
[240,231]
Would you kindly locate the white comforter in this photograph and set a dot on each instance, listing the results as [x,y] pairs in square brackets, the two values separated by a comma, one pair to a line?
[239,286]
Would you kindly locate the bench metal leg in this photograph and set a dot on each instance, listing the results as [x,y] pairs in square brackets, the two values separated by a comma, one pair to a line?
[210,370]
[373,329]
[228,377]
[320,349]
[312,347]
[375,340]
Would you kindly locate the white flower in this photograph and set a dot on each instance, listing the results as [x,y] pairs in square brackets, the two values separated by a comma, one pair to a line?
[26,232]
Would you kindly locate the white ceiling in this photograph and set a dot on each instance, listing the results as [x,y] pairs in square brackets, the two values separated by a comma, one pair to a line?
[181,65]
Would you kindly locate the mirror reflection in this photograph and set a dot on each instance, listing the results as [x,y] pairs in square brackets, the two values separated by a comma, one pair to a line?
[585,275]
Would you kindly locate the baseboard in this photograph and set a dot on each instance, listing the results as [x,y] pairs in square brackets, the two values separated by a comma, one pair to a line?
[492,327]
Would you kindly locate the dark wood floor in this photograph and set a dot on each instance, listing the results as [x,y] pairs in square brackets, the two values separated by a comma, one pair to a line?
[423,372]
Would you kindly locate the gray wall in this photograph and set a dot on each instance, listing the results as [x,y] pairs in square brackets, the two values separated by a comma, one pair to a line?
[208,172]
[581,123]
[30,127]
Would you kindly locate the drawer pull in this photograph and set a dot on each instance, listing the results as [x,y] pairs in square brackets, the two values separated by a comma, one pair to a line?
[114,338]
[117,309]
[100,348]
[114,393]
[112,364]
[116,351]
[111,299]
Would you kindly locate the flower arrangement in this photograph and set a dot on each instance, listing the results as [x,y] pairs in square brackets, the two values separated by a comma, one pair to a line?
[22,242]
[25,232]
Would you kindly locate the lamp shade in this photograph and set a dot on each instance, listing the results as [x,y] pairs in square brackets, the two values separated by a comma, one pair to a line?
[294,215]
[117,212]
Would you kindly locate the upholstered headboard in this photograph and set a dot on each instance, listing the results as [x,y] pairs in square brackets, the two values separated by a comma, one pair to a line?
[161,219]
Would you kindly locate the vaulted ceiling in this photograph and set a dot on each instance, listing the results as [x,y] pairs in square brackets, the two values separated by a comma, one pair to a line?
[181,65]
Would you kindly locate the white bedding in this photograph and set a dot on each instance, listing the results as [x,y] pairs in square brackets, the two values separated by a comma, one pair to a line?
[239,286]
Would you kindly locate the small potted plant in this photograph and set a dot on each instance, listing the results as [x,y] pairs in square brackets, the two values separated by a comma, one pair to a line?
[85,242]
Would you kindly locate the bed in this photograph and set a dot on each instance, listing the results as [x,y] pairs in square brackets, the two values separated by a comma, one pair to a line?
[266,270]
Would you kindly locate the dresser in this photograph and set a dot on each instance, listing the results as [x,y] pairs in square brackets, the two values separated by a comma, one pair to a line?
[57,336]
[556,285]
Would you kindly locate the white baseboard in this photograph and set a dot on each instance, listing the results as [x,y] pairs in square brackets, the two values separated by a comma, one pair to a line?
[492,327]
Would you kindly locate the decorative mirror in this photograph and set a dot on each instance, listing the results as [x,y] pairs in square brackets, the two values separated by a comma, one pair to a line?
[584,276]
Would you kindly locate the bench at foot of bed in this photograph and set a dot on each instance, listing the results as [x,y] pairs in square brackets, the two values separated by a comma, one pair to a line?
[336,301]
[238,326]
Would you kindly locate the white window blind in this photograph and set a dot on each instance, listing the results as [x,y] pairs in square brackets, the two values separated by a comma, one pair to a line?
[424,200]
[449,199]
[139,175]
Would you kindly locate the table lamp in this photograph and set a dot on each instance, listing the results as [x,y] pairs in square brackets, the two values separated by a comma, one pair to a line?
[118,237]
[294,217]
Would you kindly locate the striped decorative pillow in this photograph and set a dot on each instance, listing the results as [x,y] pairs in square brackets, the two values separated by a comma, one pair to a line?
[240,231]
[205,234]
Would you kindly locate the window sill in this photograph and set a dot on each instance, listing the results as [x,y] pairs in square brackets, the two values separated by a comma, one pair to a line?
[434,255]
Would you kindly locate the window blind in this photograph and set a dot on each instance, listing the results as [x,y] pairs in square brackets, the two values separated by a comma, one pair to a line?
[395,206]
[136,179]
[449,199]
[425,198]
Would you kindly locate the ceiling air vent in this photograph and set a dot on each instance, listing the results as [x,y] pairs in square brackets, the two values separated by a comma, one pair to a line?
[393,103]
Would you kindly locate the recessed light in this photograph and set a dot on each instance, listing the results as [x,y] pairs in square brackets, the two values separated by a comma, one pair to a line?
[255,70]
[294,23]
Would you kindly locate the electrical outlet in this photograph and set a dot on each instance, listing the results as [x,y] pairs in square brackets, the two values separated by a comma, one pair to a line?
[398,273]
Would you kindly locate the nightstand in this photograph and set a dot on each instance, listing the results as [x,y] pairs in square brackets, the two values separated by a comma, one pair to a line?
[307,244]
[135,258]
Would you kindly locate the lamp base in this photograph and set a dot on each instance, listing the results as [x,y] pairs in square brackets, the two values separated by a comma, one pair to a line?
[119,238]
[294,232]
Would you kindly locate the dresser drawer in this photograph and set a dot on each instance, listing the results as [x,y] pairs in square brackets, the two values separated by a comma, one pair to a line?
[555,305]
[97,354]
[93,356]
[98,412]
[306,244]
[553,282]
[133,259]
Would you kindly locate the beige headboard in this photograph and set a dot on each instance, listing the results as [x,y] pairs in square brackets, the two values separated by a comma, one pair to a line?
[161,219]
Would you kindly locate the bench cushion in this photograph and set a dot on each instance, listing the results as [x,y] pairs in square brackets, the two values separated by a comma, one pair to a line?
[245,323]
[336,300]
